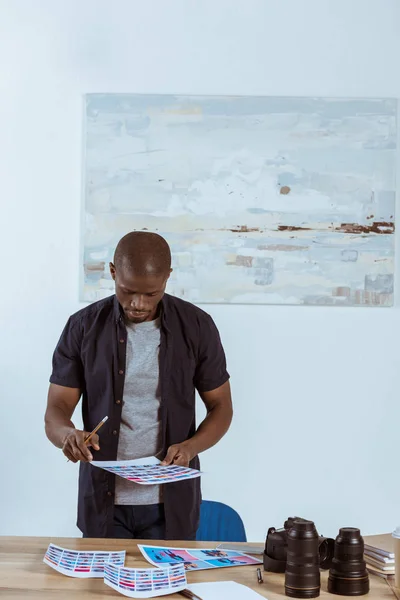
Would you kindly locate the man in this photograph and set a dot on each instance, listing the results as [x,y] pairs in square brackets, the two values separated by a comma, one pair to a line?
[137,357]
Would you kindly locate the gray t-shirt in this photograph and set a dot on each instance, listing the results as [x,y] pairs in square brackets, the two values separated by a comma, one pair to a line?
[140,432]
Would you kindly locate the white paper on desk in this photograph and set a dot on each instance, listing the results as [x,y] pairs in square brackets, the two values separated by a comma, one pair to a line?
[224,589]
[81,563]
[145,583]
[147,471]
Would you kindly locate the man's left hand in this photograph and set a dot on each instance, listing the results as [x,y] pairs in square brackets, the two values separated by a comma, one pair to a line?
[178,454]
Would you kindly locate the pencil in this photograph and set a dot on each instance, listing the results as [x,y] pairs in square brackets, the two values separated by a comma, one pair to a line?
[95,430]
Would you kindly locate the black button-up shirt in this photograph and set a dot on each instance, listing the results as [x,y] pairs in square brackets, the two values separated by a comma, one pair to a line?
[91,355]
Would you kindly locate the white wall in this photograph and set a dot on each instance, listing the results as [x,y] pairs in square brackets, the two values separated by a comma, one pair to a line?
[315,389]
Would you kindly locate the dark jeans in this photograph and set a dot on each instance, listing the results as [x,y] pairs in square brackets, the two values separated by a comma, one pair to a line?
[139,522]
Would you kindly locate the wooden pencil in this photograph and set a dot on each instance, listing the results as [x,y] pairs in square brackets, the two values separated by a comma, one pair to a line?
[95,430]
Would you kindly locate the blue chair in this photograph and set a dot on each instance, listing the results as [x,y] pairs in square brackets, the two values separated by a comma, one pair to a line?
[219,522]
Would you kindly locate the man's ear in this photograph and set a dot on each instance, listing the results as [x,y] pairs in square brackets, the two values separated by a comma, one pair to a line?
[112,271]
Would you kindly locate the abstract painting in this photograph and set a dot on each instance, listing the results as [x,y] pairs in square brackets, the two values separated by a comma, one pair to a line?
[263,200]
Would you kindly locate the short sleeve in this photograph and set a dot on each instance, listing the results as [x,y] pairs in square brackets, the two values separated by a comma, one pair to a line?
[211,370]
[67,363]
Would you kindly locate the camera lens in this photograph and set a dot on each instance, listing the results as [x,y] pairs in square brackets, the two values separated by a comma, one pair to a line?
[326,552]
[348,575]
[302,576]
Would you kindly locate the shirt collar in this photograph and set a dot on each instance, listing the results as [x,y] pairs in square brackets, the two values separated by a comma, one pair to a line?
[117,310]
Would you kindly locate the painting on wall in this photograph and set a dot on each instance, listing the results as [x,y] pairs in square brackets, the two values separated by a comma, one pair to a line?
[263,200]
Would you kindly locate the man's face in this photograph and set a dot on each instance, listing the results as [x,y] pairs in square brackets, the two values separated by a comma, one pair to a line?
[139,295]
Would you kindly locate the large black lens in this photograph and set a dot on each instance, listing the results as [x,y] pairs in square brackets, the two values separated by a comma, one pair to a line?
[348,575]
[302,577]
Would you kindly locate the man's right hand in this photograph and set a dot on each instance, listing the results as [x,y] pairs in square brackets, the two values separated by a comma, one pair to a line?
[74,446]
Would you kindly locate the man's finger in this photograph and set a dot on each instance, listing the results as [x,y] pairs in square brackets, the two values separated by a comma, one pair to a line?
[181,461]
[69,455]
[93,442]
[81,451]
[66,449]
[169,459]
[84,450]
[77,454]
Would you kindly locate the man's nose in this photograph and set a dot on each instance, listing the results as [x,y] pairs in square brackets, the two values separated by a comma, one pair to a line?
[139,302]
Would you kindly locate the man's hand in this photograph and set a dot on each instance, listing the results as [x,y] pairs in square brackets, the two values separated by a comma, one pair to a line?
[179,454]
[219,415]
[74,446]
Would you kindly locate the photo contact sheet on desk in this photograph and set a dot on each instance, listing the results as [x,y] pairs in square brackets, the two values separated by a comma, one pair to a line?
[145,583]
[147,471]
[75,563]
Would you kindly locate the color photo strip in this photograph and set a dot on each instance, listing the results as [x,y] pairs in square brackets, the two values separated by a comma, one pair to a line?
[74,563]
[150,474]
[145,583]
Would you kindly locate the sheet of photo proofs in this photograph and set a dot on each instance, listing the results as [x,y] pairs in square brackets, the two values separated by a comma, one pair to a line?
[75,563]
[196,560]
[145,583]
[147,471]
[135,583]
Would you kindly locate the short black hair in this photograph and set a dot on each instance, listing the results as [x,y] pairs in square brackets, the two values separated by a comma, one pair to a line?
[143,252]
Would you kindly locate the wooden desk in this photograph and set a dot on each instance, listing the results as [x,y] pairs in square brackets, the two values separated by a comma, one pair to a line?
[24,576]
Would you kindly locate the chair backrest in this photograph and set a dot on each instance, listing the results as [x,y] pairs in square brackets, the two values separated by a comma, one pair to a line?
[219,522]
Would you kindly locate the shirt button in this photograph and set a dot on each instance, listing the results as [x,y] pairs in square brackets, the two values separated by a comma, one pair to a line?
[115,432]
[118,401]
[109,493]
[121,341]
[121,372]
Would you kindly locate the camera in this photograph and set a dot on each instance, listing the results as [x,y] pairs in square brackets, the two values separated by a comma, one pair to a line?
[276,548]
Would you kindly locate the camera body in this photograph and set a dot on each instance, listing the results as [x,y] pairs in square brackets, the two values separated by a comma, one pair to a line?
[275,552]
